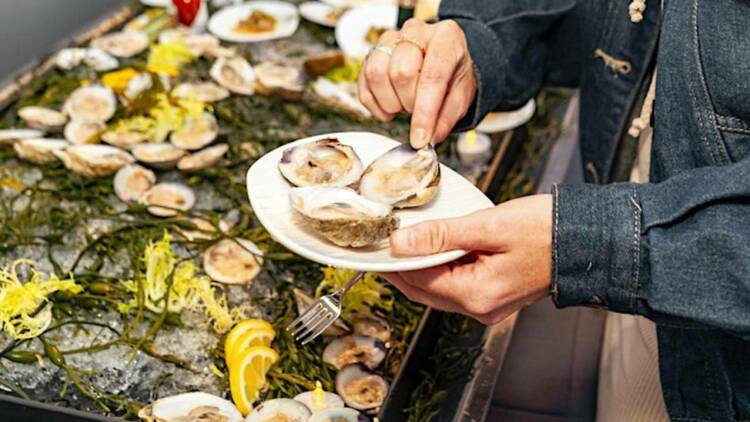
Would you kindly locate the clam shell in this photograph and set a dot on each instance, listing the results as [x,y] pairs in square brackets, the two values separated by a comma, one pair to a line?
[122,44]
[94,58]
[341,96]
[325,162]
[195,406]
[196,133]
[354,348]
[43,118]
[202,159]
[372,326]
[286,410]
[330,400]
[286,81]
[79,132]
[207,92]
[160,155]
[94,160]
[234,74]
[231,263]
[361,389]
[132,181]
[91,104]
[122,139]
[9,136]
[39,150]
[168,199]
[199,44]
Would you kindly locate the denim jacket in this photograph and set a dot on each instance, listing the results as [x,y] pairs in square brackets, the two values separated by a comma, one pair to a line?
[676,250]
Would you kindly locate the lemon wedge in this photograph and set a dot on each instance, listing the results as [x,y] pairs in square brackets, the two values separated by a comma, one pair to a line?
[241,328]
[250,338]
[247,375]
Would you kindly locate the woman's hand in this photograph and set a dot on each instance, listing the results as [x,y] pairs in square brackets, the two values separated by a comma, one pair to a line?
[509,266]
[428,74]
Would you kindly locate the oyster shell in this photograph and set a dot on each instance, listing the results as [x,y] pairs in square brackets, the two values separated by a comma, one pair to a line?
[9,136]
[354,348]
[233,262]
[204,230]
[286,81]
[79,132]
[94,160]
[342,216]
[372,326]
[341,414]
[278,410]
[94,58]
[207,92]
[161,155]
[196,133]
[91,104]
[189,407]
[168,199]
[132,181]
[202,159]
[325,162]
[122,44]
[234,74]
[39,150]
[360,388]
[329,400]
[124,139]
[43,118]
[341,95]
[402,177]
[304,301]
[199,44]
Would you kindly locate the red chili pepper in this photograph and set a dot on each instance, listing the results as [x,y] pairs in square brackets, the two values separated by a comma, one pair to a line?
[187,10]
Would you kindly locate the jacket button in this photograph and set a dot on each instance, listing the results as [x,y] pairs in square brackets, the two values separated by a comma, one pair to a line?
[595,300]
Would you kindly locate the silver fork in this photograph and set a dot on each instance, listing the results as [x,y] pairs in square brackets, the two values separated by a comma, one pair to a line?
[321,314]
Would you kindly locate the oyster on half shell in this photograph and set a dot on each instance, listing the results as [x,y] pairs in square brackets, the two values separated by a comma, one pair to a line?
[206,92]
[39,150]
[122,44]
[402,177]
[286,81]
[42,118]
[360,388]
[91,104]
[234,74]
[79,132]
[326,162]
[196,133]
[94,160]
[202,159]
[168,199]
[189,407]
[342,216]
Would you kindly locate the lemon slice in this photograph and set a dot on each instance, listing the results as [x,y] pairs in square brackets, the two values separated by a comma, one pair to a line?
[250,338]
[241,328]
[248,375]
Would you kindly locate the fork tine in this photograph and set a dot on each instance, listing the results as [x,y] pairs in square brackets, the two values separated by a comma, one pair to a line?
[323,325]
[310,324]
[306,316]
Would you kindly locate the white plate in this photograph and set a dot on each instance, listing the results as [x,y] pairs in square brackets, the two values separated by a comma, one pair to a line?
[507,120]
[317,12]
[223,22]
[157,3]
[268,192]
[354,24]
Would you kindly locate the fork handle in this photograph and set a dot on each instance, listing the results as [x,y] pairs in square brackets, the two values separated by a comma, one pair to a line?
[339,294]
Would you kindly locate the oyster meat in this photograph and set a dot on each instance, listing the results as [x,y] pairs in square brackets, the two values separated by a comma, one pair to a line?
[203,159]
[342,216]
[341,414]
[354,348]
[39,150]
[94,160]
[342,95]
[233,261]
[279,410]
[91,104]
[402,177]
[325,162]
[207,92]
[191,407]
[80,132]
[360,388]
[235,74]
[168,199]
[132,181]
[286,81]
[196,133]
[43,118]
[161,155]
[10,136]
[94,58]
[122,44]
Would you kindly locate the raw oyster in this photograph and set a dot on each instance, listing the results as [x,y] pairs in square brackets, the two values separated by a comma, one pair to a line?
[341,414]
[372,326]
[199,44]
[94,160]
[39,150]
[91,104]
[202,159]
[123,139]
[354,348]
[207,92]
[94,58]
[188,407]
[132,181]
[314,401]
[161,155]
[360,388]
[234,74]
[43,118]
[342,216]
[235,261]
[304,301]
[325,162]
[341,95]
[204,230]
[402,177]
[286,81]
[122,44]
[79,132]
[277,410]
[168,199]
[9,136]
[196,133]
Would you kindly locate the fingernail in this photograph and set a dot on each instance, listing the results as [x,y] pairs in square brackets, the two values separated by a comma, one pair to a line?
[401,240]
[419,138]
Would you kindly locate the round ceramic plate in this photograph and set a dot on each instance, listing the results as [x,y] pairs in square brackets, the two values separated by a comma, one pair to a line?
[353,26]
[318,12]
[507,120]
[223,22]
[269,191]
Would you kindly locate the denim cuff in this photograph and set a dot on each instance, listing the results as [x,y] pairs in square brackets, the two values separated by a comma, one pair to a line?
[599,256]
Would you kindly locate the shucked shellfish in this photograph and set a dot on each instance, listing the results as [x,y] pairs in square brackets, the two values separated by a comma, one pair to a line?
[132,181]
[234,74]
[168,199]
[325,162]
[91,104]
[233,261]
[188,407]
[122,44]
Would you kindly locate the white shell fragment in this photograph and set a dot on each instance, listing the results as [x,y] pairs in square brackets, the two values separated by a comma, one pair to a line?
[91,104]
[340,414]
[326,162]
[39,150]
[342,216]
[354,348]
[341,95]
[272,78]
[360,388]
[402,177]
[132,181]
[43,118]
[234,74]
[207,92]
[196,133]
[330,400]
[233,261]
[80,132]
[168,199]
[202,159]
[122,44]
[10,136]
[278,410]
[94,58]
[187,407]
[161,155]
[94,160]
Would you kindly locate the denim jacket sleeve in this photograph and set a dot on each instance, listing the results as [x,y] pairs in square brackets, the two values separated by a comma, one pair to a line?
[516,46]
[677,252]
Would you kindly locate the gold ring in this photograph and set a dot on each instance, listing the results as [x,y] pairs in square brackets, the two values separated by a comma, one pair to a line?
[411,40]
[383,49]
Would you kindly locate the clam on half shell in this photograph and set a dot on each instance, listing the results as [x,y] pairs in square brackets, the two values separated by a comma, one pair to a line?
[91,104]
[203,159]
[79,132]
[361,389]
[281,410]
[168,199]
[354,348]
[342,95]
[161,155]
[122,44]
[94,160]
[189,407]
[286,81]
[39,150]
[132,181]
[233,261]
[207,92]
[325,162]
[95,58]
[196,133]
[234,74]
[43,118]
